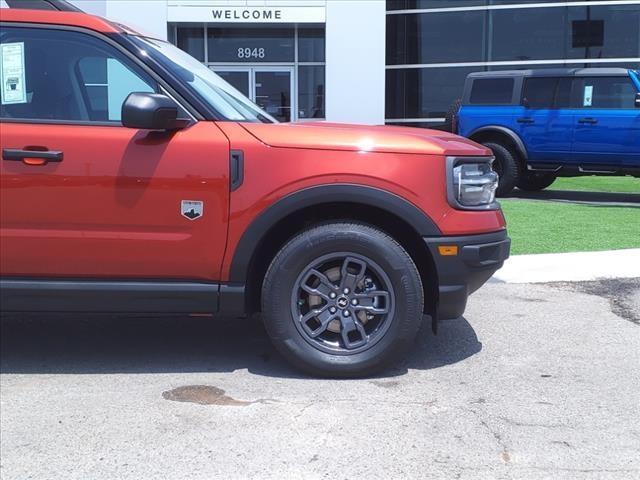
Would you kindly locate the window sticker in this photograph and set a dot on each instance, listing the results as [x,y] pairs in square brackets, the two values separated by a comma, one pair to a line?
[588,96]
[12,74]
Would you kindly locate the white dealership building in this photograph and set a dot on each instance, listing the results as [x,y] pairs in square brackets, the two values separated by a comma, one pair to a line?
[380,61]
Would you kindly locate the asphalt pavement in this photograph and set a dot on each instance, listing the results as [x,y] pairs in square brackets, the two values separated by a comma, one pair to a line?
[536,382]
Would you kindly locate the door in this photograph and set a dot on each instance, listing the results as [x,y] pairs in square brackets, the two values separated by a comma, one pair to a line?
[270,88]
[607,123]
[545,122]
[273,92]
[240,79]
[96,199]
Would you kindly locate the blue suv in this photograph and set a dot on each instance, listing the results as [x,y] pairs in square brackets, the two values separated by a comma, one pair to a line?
[542,124]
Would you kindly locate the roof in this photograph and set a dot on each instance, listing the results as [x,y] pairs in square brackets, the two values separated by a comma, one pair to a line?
[49,17]
[554,72]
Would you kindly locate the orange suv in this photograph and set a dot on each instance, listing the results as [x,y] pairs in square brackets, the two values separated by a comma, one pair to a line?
[133,179]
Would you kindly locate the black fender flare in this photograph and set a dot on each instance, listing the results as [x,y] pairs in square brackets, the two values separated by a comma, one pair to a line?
[517,141]
[308,197]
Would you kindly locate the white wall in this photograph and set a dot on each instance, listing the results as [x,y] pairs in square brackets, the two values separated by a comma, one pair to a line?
[94,7]
[149,17]
[356,45]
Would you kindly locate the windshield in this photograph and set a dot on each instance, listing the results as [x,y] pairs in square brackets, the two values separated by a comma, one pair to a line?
[222,97]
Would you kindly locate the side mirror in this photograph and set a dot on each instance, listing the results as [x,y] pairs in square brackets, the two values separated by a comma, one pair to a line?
[150,111]
[638,100]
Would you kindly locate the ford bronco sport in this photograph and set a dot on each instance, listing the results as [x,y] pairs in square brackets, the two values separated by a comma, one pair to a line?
[541,124]
[135,180]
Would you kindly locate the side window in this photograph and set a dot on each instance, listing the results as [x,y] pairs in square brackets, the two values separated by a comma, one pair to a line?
[63,75]
[539,92]
[606,92]
[492,91]
[563,93]
[106,83]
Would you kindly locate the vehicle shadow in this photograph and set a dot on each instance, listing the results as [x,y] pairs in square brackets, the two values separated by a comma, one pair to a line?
[101,344]
[592,198]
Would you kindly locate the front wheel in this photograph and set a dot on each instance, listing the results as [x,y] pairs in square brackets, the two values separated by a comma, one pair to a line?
[342,300]
[535,181]
[507,167]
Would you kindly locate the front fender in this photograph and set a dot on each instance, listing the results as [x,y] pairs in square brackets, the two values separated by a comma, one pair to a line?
[317,195]
[515,138]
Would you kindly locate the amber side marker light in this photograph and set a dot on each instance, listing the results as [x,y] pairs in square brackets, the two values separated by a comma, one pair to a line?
[448,250]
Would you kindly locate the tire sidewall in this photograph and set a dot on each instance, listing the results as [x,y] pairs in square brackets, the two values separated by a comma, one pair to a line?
[511,169]
[313,244]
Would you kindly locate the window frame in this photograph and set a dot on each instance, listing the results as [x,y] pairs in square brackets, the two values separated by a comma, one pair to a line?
[577,91]
[556,90]
[165,89]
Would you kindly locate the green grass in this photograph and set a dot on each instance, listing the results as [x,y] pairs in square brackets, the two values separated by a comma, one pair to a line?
[551,227]
[598,184]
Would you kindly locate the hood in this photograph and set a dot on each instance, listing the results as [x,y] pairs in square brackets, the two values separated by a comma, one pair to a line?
[358,138]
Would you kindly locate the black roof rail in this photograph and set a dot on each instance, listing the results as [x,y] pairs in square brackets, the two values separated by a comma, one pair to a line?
[59,5]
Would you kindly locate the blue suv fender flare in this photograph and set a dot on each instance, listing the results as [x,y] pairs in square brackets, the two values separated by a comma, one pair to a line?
[515,138]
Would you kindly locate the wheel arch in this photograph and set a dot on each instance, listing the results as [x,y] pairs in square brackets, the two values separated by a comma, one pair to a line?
[281,221]
[504,134]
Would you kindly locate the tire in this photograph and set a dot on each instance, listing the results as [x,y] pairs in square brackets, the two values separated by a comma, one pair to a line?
[535,181]
[506,165]
[451,118]
[348,345]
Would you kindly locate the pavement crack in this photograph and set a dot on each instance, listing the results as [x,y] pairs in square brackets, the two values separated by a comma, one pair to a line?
[505,456]
[515,423]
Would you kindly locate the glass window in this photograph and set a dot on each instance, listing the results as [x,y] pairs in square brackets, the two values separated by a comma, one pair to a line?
[436,38]
[191,40]
[539,92]
[611,31]
[492,91]
[248,44]
[311,44]
[423,92]
[528,34]
[606,92]
[71,76]
[563,93]
[413,4]
[311,88]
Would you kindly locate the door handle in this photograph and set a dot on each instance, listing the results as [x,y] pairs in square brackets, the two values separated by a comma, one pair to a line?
[588,121]
[527,121]
[32,157]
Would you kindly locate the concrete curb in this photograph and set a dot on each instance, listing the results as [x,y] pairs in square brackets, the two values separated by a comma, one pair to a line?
[570,267]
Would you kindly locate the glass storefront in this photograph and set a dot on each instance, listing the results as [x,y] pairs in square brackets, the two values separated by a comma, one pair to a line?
[432,45]
[280,67]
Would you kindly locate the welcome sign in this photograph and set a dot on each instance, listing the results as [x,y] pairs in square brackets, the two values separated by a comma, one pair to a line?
[179,11]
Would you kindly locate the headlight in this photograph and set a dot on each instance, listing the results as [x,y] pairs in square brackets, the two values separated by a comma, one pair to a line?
[472,183]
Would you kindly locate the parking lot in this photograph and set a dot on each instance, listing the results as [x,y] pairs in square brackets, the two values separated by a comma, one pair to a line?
[537,381]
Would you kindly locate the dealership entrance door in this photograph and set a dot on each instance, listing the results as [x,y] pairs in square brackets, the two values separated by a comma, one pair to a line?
[269,87]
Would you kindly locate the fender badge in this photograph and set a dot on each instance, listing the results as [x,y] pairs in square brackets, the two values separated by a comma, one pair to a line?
[192,209]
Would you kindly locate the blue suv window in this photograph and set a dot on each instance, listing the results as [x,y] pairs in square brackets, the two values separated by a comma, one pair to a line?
[606,92]
[492,91]
[547,92]
[539,92]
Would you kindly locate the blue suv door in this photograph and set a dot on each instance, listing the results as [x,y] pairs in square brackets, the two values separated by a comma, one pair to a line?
[607,122]
[545,121]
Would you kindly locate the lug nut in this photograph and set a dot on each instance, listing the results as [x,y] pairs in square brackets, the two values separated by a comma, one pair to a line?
[354,302]
[332,295]
[347,291]
[333,310]
[346,313]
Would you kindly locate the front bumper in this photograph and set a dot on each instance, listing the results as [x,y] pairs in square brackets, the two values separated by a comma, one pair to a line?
[478,258]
